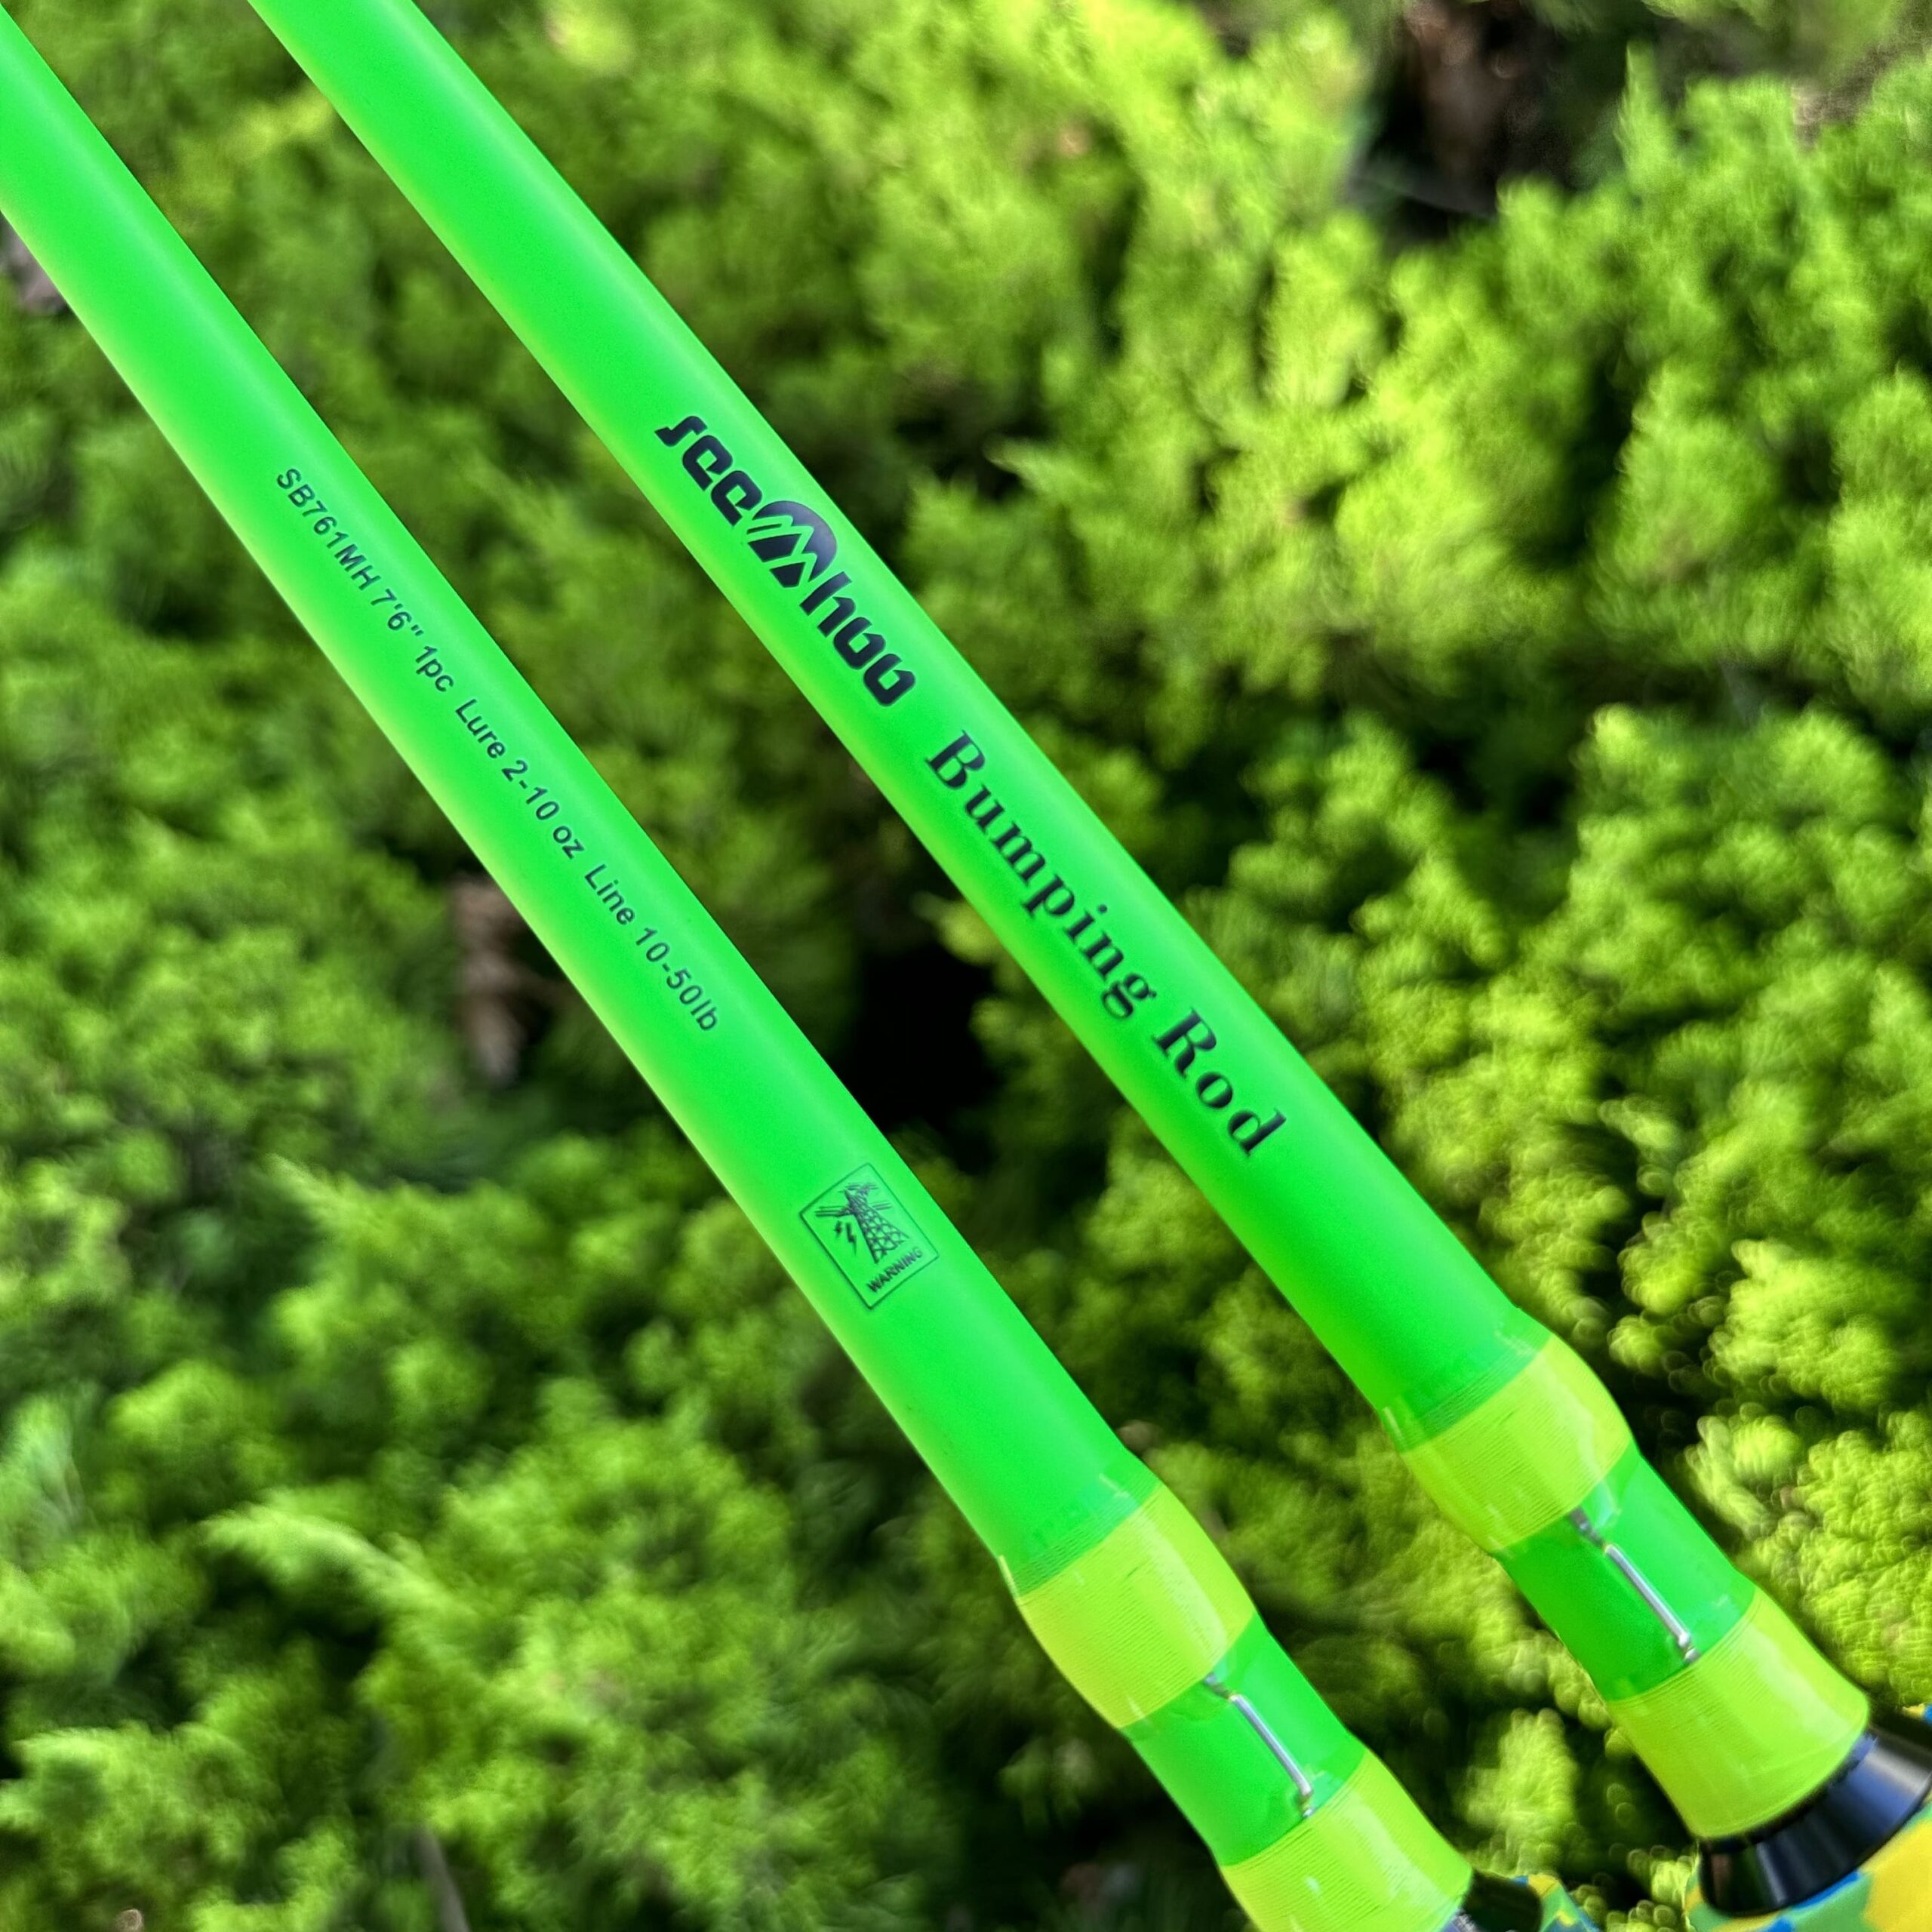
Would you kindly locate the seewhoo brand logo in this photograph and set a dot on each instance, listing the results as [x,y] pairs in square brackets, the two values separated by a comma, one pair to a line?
[861,1223]
[796,544]
[796,541]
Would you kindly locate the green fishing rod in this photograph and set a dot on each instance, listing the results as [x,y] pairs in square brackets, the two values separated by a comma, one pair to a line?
[1118,1582]
[1743,1721]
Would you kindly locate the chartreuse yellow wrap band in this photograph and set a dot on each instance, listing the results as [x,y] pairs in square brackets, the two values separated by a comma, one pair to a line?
[1144,1615]
[1730,1757]
[1737,1716]
[1528,1456]
[1365,1862]
[1152,1627]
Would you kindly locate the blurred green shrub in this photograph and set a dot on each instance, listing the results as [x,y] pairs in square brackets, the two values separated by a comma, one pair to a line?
[420,1493]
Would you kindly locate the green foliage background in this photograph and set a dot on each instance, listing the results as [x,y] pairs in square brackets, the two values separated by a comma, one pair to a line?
[1511,644]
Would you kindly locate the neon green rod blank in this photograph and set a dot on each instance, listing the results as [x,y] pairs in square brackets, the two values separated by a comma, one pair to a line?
[1508,1430]
[1120,1584]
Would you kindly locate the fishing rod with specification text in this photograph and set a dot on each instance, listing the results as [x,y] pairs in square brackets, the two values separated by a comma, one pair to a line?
[1771,1755]
[1124,1589]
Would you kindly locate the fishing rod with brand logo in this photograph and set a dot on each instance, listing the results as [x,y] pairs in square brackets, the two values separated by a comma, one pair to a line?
[1769,1754]
[1124,1589]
